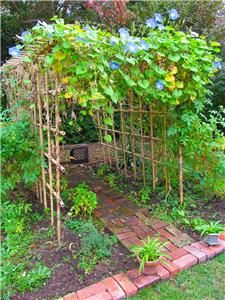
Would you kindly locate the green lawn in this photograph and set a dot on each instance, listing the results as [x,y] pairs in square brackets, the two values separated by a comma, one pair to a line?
[202,282]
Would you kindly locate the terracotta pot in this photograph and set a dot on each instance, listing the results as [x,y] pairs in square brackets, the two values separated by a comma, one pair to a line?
[151,267]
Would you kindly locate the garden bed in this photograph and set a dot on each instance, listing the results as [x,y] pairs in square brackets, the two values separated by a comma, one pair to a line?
[63,262]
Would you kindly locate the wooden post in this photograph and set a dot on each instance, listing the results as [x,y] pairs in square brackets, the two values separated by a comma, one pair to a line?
[165,152]
[132,127]
[142,142]
[100,133]
[57,123]
[49,150]
[181,175]
[114,140]
[41,138]
[123,139]
[152,148]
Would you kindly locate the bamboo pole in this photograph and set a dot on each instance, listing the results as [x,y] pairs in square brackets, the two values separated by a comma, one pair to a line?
[142,142]
[100,133]
[165,153]
[181,175]
[49,150]
[41,137]
[61,168]
[57,123]
[152,149]
[114,141]
[106,132]
[123,140]
[132,134]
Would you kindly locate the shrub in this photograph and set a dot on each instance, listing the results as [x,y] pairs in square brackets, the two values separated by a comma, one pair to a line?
[84,201]
[94,246]
[20,154]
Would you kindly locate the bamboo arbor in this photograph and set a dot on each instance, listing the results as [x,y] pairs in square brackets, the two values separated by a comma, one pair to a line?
[138,132]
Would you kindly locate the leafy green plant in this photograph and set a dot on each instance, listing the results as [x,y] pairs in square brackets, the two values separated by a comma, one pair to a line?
[84,201]
[150,251]
[94,246]
[144,194]
[102,170]
[211,227]
[20,154]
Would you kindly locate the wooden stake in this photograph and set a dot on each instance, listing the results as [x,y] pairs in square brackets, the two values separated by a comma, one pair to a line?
[123,139]
[142,142]
[152,149]
[132,127]
[165,153]
[41,138]
[49,150]
[181,175]
[57,123]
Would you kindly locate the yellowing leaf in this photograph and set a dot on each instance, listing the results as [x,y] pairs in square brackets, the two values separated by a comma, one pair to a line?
[170,78]
[177,102]
[59,55]
[180,84]
[68,95]
[193,97]
[173,70]
[172,86]
[65,80]
[58,67]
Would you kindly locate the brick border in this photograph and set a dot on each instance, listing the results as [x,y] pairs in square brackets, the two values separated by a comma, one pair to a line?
[127,284]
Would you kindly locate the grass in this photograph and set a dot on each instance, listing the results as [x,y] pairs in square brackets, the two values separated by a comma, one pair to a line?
[204,281]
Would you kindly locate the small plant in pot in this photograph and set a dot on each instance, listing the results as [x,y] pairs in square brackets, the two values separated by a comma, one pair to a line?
[149,255]
[212,231]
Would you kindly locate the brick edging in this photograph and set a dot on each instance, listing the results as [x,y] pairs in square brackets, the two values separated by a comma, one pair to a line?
[127,284]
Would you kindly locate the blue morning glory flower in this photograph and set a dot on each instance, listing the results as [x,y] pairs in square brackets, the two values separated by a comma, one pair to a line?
[158,17]
[14,51]
[25,34]
[114,65]
[151,23]
[144,45]
[161,26]
[217,65]
[159,85]
[124,34]
[80,39]
[173,14]
[113,41]
[131,47]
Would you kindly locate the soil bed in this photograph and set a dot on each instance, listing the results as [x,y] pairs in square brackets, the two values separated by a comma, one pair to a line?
[66,276]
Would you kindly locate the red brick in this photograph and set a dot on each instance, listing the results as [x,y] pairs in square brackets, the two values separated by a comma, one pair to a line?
[127,285]
[218,248]
[201,256]
[159,225]
[165,233]
[163,273]
[204,248]
[72,296]
[113,288]
[136,241]
[173,269]
[100,296]
[185,261]
[171,247]
[145,280]
[138,230]
[177,253]
[126,235]
[127,243]
[131,274]
[91,290]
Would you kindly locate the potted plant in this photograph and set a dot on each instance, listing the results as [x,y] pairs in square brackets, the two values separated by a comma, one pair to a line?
[212,232]
[149,255]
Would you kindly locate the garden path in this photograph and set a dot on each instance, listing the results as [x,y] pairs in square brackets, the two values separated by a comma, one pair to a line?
[130,223]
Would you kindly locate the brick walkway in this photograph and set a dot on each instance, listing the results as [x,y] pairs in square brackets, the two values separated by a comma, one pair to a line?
[132,224]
